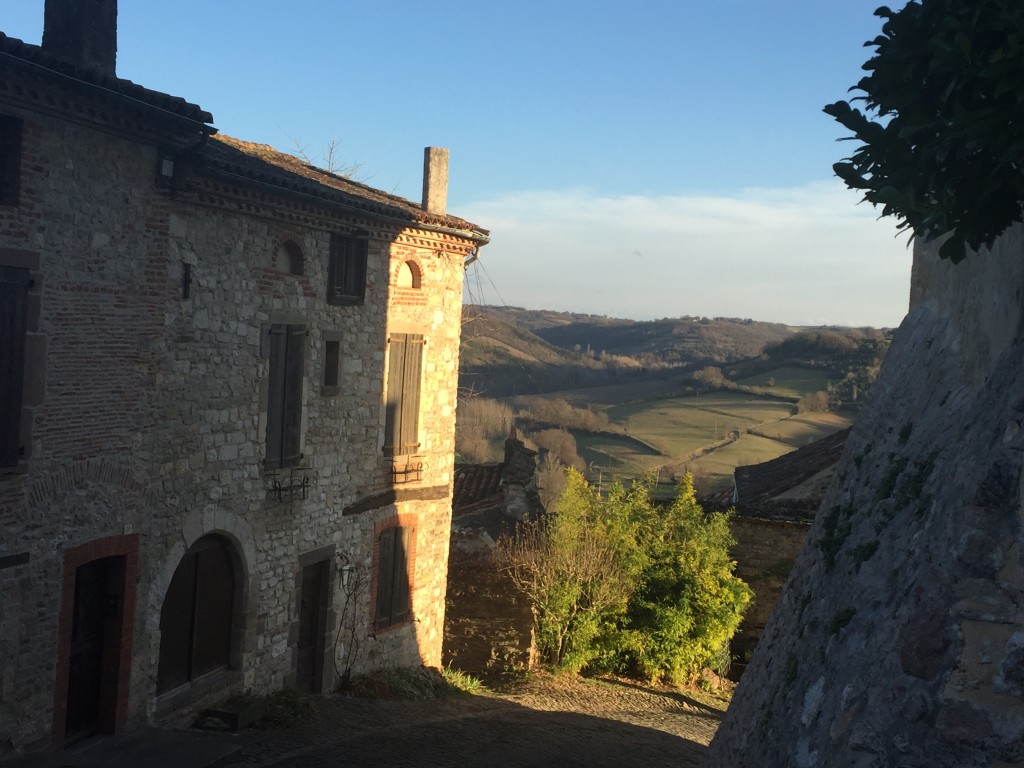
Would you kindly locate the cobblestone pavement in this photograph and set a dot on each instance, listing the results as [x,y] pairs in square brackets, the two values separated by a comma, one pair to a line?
[543,722]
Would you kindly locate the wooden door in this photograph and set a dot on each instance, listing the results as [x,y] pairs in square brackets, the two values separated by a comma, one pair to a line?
[95,629]
[312,627]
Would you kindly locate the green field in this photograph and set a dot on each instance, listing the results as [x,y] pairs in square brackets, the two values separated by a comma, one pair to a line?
[789,382]
[671,433]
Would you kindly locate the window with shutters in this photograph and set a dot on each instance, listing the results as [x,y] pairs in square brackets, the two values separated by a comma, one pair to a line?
[346,274]
[198,614]
[402,414]
[394,550]
[284,395]
[10,159]
[14,285]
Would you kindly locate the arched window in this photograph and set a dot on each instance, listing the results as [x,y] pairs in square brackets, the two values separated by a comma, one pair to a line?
[289,258]
[408,275]
[197,617]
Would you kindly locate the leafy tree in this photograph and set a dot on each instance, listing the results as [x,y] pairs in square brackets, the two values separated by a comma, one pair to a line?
[942,130]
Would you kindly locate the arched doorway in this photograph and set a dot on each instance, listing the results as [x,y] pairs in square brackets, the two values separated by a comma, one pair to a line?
[199,614]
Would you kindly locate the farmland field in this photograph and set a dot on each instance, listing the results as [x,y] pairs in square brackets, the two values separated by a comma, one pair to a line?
[789,381]
[690,434]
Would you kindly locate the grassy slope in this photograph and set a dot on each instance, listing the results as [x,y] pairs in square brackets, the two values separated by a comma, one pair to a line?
[669,424]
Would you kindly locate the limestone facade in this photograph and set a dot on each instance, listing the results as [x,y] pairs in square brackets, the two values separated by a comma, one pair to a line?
[157,262]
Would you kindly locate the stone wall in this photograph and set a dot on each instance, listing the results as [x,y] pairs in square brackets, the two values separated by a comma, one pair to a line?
[489,623]
[897,640]
[147,414]
[764,552]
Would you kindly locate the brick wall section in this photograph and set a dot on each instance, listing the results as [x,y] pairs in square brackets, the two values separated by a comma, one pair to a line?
[150,415]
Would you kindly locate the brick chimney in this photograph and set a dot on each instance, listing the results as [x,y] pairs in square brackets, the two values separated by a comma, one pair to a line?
[83,33]
[435,180]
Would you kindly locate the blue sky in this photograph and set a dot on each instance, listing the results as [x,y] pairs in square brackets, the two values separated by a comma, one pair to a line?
[645,159]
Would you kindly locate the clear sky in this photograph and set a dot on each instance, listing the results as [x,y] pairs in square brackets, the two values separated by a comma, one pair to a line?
[655,158]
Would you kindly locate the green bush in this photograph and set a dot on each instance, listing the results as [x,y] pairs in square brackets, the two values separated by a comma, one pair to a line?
[689,602]
[620,584]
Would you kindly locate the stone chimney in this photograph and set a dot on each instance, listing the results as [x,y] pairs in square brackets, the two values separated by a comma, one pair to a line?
[83,33]
[435,180]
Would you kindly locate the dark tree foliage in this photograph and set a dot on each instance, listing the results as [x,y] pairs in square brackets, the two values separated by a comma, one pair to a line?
[942,129]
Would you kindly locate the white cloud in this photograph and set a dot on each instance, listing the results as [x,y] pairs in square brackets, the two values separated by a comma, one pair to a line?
[803,255]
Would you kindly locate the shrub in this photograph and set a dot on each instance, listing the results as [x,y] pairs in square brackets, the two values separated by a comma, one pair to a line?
[618,583]
[578,566]
[689,603]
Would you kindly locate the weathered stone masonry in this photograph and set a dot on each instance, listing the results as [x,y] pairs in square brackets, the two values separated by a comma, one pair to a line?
[161,258]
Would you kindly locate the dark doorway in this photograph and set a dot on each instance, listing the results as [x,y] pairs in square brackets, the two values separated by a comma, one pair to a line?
[313,595]
[95,648]
[197,617]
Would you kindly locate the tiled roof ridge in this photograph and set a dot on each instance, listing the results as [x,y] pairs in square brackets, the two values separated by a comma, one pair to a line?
[36,56]
[265,164]
[755,481]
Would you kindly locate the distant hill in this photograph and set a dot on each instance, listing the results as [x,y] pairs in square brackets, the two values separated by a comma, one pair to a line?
[696,340]
[501,356]
[514,351]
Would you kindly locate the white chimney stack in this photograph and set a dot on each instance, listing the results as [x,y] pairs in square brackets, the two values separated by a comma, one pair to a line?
[435,180]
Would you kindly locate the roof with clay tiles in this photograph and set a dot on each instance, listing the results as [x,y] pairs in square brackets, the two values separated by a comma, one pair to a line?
[262,164]
[14,50]
[770,479]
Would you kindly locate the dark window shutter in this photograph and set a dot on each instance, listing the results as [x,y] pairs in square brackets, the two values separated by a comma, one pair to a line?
[276,393]
[385,576]
[14,284]
[10,159]
[291,431]
[284,395]
[400,594]
[346,274]
[393,577]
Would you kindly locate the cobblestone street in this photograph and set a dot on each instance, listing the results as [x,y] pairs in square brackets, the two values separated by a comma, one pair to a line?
[545,722]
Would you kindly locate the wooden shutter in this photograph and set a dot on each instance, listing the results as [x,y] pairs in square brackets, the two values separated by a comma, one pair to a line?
[401,422]
[14,283]
[385,576]
[393,577]
[292,422]
[275,393]
[346,274]
[400,593]
[284,395]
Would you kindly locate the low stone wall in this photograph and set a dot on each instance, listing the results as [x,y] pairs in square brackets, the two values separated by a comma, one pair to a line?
[764,552]
[488,626]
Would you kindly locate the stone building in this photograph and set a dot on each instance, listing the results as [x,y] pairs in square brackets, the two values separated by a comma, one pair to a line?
[227,395]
